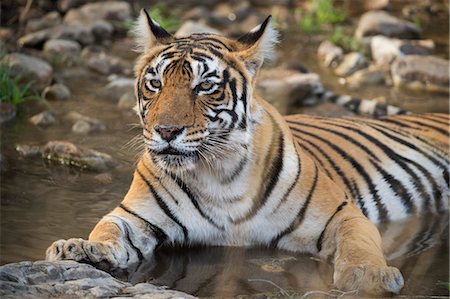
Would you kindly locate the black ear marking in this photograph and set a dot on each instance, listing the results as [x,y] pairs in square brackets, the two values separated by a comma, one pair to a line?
[160,33]
[252,37]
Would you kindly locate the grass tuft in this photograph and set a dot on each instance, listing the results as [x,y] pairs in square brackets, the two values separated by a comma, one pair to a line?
[12,91]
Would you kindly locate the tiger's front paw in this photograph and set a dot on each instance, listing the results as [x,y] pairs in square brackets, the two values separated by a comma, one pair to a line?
[95,253]
[369,279]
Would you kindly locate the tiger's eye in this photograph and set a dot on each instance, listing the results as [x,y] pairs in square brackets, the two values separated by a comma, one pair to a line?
[155,83]
[206,85]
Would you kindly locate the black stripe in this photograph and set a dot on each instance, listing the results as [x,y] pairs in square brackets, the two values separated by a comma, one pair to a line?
[163,205]
[301,213]
[158,233]
[272,177]
[294,182]
[437,129]
[335,167]
[130,242]
[322,234]
[380,128]
[344,136]
[396,158]
[193,200]
[235,173]
[382,211]
[431,118]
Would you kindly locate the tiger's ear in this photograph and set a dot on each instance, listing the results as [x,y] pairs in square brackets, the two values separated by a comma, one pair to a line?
[149,33]
[258,45]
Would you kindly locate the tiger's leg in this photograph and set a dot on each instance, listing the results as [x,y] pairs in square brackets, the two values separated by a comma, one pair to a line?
[115,242]
[359,263]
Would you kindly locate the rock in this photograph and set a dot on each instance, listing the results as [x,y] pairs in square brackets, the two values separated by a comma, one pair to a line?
[84,124]
[381,23]
[103,178]
[51,19]
[65,50]
[88,14]
[117,87]
[102,29]
[285,88]
[43,119]
[421,73]
[375,4]
[350,63]
[226,13]
[73,32]
[5,33]
[127,101]
[65,5]
[191,27]
[67,153]
[35,39]
[7,112]
[385,50]
[56,92]
[368,76]
[97,60]
[329,54]
[69,279]
[30,68]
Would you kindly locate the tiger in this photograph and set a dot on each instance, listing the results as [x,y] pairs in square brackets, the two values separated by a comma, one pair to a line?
[222,167]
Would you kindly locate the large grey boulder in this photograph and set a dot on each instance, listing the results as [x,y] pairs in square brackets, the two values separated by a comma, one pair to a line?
[421,73]
[381,23]
[385,50]
[69,279]
[31,69]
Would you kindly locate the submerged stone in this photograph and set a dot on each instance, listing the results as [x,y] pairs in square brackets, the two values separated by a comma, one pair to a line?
[67,153]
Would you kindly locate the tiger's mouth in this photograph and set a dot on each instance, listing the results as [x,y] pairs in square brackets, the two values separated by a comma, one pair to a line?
[174,160]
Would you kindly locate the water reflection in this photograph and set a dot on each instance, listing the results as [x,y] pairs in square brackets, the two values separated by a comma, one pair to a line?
[418,246]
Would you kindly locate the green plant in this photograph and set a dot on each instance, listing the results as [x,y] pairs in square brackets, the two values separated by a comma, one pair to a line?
[322,13]
[12,90]
[167,18]
[348,43]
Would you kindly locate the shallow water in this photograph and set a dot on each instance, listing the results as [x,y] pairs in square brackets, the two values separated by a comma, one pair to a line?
[42,202]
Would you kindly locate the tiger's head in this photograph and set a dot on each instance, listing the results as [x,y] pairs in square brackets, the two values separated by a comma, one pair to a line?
[194,93]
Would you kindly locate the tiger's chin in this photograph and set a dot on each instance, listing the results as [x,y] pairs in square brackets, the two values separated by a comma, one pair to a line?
[175,163]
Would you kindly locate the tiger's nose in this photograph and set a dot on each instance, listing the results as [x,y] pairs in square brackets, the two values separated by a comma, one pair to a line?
[168,132]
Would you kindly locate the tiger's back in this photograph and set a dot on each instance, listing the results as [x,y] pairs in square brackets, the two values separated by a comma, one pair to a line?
[392,167]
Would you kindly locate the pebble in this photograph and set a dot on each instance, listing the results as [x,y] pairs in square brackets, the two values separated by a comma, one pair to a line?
[84,124]
[67,153]
[66,50]
[56,92]
[368,76]
[329,54]
[350,63]
[381,23]
[284,88]
[385,50]
[43,119]
[51,19]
